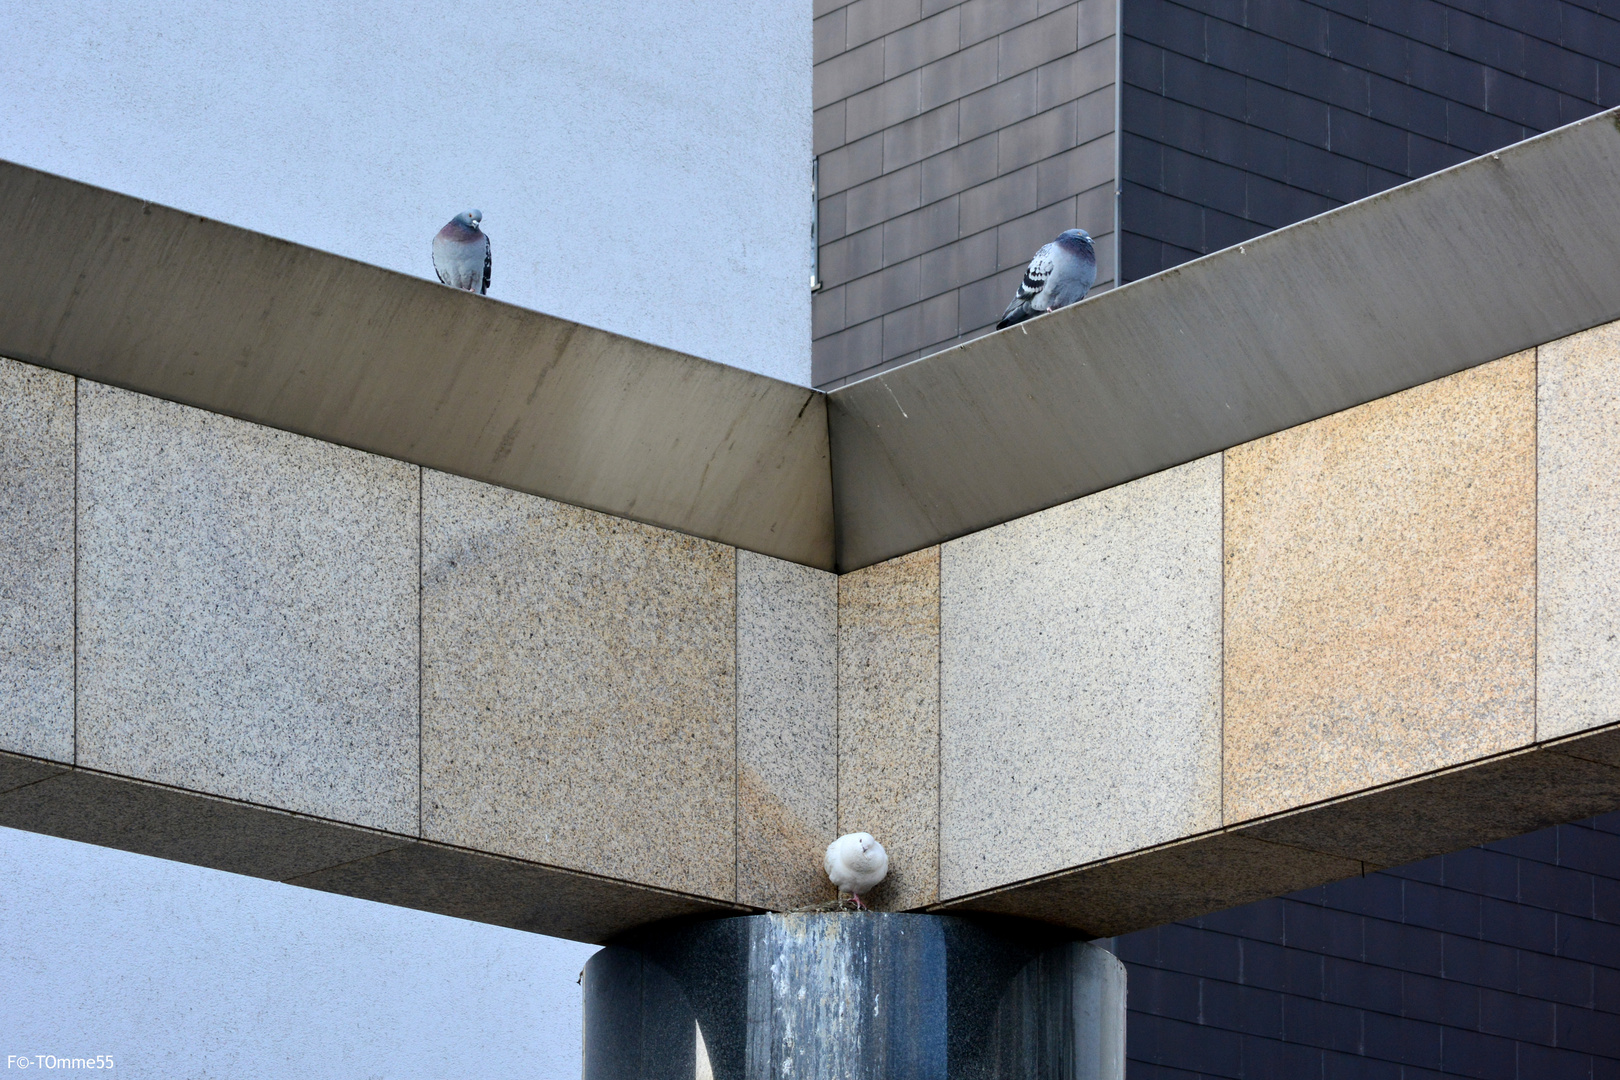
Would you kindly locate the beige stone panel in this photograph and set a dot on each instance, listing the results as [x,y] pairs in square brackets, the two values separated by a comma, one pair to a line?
[888,719]
[36,561]
[247,611]
[578,690]
[1380,579]
[1080,681]
[1578,530]
[787,730]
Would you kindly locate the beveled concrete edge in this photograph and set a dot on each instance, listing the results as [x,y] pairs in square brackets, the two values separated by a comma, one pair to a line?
[147,298]
[246,838]
[1589,785]
[1299,323]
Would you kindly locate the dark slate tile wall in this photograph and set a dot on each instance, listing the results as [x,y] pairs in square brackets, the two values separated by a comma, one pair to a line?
[1501,962]
[1241,116]
[954,140]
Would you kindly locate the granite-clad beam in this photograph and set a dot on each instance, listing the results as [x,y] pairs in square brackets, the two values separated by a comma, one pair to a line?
[508,892]
[1399,823]
[578,688]
[36,561]
[1578,532]
[242,838]
[1080,692]
[1380,591]
[1160,885]
[888,719]
[787,730]
[186,826]
[247,611]
[1405,822]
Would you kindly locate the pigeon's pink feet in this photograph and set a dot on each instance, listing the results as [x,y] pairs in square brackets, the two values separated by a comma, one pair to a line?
[857,898]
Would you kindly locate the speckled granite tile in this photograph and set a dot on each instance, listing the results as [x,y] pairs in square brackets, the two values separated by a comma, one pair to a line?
[36,561]
[787,730]
[888,720]
[1578,530]
[578,688]
[247,611]
[1380,577]
[1080,680]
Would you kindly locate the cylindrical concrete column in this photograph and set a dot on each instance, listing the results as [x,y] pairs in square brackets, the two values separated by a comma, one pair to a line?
[853,996]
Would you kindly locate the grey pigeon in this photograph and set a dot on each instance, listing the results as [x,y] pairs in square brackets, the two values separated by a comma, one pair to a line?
[461,253]
[1060,274]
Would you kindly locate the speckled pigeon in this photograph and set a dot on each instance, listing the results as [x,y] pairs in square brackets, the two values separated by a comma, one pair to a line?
[1060,274]
[461,253]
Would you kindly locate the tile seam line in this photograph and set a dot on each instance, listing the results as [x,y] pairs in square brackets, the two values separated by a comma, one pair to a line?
[1535,546]
[421,695]
[939,723]
[736,725]
[1223,573]
[75,644]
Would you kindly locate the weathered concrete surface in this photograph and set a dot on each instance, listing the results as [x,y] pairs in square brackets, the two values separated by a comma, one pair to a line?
[259,841]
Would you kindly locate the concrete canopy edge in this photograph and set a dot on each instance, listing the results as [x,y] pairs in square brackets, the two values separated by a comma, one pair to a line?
[1442,274]
[177,306]
[239,837]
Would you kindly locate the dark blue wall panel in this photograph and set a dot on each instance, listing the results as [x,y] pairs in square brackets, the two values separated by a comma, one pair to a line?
[1241,116]
[1501,961]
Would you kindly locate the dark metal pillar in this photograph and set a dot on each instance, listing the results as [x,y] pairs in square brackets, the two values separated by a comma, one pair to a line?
[853,996]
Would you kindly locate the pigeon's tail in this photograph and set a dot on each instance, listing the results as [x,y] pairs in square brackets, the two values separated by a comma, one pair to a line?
[1016,312]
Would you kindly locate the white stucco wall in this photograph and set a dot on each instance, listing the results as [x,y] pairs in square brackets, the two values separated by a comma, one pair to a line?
[642,165]
[177,971]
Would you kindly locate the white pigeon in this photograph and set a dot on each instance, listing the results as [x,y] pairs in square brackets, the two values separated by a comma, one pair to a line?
[461,253]
[856,863]
[1060,274]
